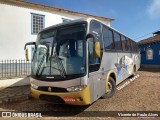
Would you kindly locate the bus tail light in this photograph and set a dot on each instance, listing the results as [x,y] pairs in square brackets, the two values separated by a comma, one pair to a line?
[76,88]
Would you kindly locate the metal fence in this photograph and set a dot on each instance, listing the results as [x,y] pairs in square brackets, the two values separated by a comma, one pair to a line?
[14,68]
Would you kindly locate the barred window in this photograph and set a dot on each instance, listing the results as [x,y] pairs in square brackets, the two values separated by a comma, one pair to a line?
[37,23]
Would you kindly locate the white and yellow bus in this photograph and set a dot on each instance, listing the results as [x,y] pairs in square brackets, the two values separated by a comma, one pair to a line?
[80,61]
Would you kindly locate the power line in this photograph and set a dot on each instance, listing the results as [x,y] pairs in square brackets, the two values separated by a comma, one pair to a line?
[146,34]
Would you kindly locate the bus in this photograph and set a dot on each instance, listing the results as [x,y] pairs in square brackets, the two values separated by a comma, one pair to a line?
[80,61]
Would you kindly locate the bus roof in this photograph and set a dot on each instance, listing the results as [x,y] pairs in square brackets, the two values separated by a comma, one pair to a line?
[65,23]
[82,20]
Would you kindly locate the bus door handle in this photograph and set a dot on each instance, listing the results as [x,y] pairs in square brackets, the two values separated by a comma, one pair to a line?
[102,70]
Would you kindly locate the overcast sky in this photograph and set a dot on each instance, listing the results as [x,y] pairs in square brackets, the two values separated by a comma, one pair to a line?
[134,18]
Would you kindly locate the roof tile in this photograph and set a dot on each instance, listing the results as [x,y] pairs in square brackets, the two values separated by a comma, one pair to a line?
[155,38]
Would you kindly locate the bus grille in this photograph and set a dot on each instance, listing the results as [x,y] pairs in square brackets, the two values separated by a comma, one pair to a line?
[52,98]
[53,89]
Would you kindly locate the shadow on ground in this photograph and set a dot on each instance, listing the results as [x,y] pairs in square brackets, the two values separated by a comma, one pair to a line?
[149,69]
[45,108]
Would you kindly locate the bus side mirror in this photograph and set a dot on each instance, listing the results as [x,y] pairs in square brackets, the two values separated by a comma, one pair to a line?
[26,54]
[97,51]
[30,43]
[26,50]
[90,36]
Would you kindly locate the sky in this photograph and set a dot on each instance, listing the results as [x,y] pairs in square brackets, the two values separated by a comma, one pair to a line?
[137,19]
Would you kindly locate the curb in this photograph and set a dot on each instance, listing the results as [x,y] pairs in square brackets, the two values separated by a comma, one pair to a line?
[14,82]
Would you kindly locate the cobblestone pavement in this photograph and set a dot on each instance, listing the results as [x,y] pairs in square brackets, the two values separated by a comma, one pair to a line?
[12,94]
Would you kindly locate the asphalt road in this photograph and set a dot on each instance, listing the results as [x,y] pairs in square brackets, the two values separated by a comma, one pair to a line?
[140,94]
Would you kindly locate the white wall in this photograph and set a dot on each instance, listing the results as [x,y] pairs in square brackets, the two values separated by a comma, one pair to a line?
[15,29]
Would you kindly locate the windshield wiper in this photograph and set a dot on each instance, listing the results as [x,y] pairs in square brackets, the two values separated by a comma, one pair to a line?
[60,66]
[42,60]
[40,64]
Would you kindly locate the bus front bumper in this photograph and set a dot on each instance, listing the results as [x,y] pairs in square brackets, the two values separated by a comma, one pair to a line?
[72,98]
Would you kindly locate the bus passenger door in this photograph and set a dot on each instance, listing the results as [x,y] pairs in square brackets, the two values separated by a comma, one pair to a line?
[95,73]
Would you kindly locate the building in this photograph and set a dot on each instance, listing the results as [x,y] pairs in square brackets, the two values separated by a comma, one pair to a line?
[21,21]
[150,50]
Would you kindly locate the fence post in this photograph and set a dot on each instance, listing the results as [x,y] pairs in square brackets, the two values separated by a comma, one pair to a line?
[16,68]
[24,67]
[5,67]
[19,67]
[10,67]
[13,66]
[2,68]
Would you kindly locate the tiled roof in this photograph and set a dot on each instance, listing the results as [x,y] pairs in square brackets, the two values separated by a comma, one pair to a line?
[153,39]
[57,9]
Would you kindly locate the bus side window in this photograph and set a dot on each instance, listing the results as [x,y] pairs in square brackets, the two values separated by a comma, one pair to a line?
[96,30]
[94,63]
[117,41]
[132,45]
[128,45]
[108,39]
[91,52]
[136,47]
[124,42]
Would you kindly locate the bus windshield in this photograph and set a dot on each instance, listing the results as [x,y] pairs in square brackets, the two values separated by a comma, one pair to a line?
[60,52]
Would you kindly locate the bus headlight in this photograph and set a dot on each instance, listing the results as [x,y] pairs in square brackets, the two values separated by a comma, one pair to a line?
[76,88]
[34,86]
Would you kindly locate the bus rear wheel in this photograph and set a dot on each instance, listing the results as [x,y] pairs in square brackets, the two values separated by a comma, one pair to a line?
[133,71]
[112,88]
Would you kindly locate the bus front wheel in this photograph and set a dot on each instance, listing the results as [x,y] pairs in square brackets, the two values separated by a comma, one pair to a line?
[112,88]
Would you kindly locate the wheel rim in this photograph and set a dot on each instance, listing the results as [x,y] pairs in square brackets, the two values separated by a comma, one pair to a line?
[134,71]
[110,87]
